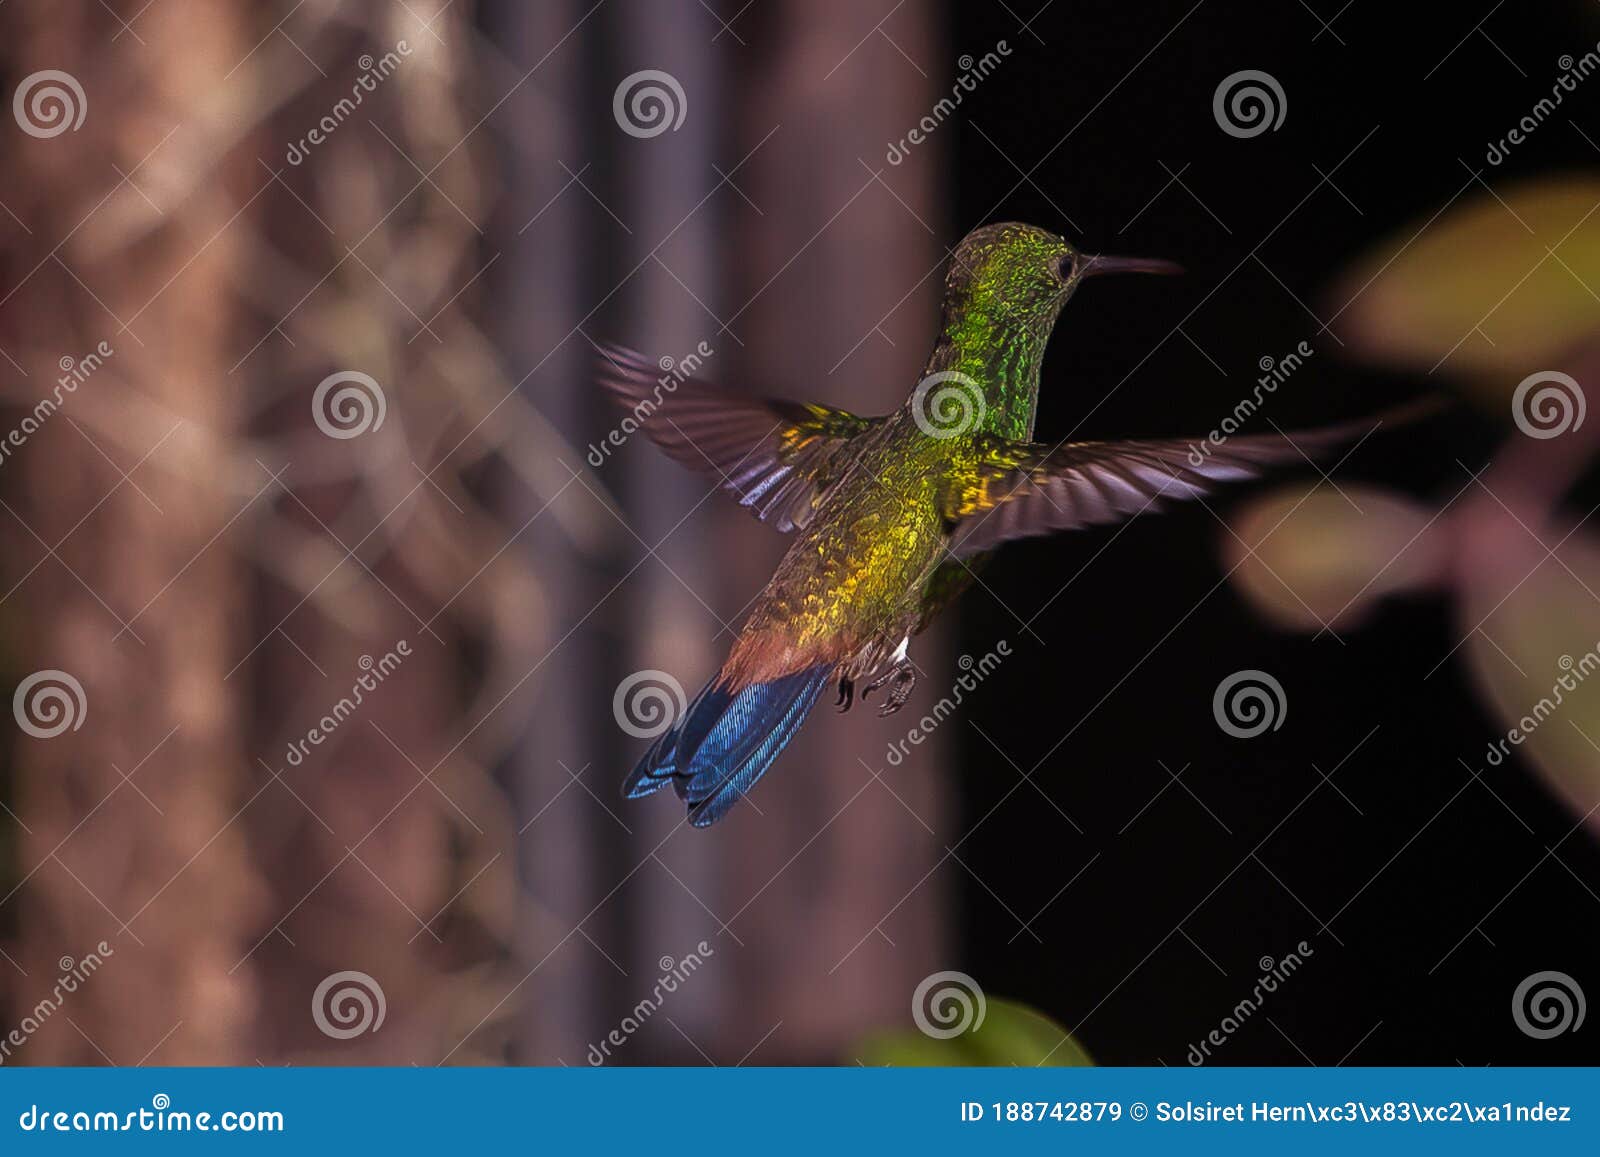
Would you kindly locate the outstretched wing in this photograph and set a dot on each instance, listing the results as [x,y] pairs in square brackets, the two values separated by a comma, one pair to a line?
[775,456]
[1025,488]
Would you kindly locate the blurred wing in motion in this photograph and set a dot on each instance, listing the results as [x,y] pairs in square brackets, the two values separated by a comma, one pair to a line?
[1024,488]
[775,456]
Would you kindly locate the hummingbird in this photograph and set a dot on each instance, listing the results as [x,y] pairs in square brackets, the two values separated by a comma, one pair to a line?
[892,515]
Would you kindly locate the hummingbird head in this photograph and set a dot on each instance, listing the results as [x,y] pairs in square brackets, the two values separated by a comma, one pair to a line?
[1028,273]
[1003,292]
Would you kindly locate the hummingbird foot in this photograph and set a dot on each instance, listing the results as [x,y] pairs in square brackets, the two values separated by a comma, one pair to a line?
[903,676]
[905,681]
[847,694]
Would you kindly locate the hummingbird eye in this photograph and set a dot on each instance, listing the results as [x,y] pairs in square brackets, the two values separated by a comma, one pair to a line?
[1069,267]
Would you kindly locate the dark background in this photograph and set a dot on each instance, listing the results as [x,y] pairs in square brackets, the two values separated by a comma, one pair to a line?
[1399,974]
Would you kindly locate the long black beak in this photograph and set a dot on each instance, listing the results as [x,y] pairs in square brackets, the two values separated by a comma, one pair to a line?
[1095,266]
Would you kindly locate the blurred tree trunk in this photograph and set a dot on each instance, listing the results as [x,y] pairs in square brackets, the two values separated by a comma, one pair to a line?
[836,300]
[219,597]
[386,846]
[620,887]
[674,213]
[254,566]
[107,522]
[543,280]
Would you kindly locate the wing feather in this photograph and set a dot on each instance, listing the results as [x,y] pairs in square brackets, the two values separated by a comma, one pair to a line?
[773,455]
[1025,489]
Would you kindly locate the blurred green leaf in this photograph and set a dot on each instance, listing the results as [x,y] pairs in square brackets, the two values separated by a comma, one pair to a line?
[1009,1034]
[1494,285]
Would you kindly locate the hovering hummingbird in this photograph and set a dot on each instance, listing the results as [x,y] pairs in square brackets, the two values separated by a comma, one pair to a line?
[892,514]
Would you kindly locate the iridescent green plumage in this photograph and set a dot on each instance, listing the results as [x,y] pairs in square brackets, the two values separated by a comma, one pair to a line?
[891,514]
[873,565]
[1004,290]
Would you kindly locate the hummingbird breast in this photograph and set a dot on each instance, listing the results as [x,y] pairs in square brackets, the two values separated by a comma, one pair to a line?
[851,583]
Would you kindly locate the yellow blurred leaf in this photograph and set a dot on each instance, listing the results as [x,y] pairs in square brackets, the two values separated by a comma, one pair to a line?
[1491,286]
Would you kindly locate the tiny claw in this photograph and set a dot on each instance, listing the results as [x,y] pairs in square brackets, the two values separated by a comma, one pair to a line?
[880,681]
[847,695]
[905,680]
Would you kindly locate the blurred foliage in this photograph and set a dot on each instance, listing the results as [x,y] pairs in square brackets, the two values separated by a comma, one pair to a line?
[1493,292]
[1327,556]
[1498,283]
[1008,1034]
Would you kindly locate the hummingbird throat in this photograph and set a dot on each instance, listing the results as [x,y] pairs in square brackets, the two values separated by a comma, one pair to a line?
[995,354]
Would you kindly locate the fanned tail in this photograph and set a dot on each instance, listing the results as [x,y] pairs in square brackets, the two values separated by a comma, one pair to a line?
[661,765]
[726,741]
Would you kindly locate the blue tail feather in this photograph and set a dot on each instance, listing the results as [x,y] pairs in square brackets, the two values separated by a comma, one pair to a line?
[660,765]
[721,773]
[725,742]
